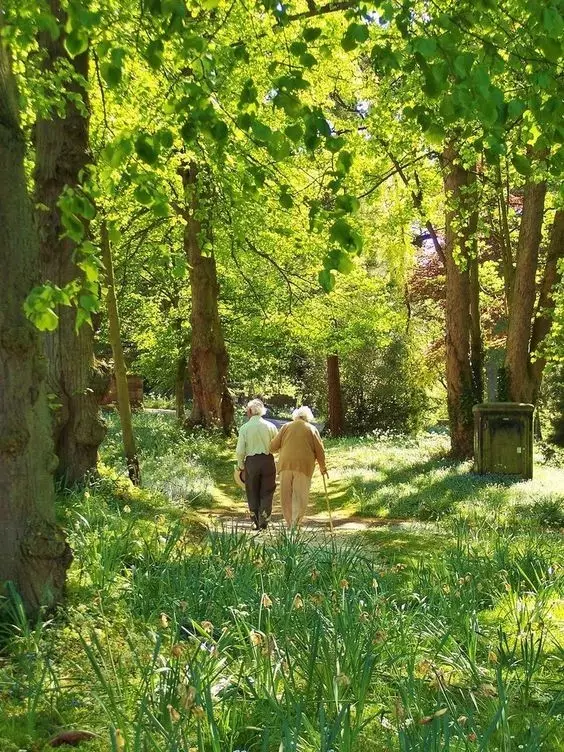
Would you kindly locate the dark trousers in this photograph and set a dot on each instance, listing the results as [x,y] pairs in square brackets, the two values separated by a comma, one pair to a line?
[260,484]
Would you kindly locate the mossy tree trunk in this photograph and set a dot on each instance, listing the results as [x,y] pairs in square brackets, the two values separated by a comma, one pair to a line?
[34,554]
[334,396]
[62,152]
[458,238]
[209,362]
[120,370]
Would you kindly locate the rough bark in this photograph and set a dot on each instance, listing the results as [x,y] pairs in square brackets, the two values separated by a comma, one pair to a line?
[62,151]
[476,341]
[334,396]
[120,370]
[34,554]
[209,361]
[520,384]
[460,392]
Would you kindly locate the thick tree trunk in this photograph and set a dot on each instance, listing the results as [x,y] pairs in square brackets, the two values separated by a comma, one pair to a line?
[209,361]
[460,391]
[334,396]
[120,371]
[520,384]
[62,151]
[34,555]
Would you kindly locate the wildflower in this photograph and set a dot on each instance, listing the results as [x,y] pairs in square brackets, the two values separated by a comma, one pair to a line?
[440,712]
[177,650]
[507,587]
[317,598]
[298,601]
[314,575]
[364,617]
[492,657]
[426,719]
[343,680]
[462,719]
[187,695]
[198,711]
[126,509]
[266,601]
[446,589]
[164,620]
[472,736]
[174,714]
[183,605]
[344,584]
[375,583]
[379,637]
[207,626]
[119,740]
[229,573]
[488,690]
[423,667]
[255,637]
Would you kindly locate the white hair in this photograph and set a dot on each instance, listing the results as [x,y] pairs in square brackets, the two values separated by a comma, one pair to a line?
[256,407]
[303,413]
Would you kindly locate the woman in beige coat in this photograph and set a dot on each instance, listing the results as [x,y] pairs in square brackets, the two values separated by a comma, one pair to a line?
[300,446]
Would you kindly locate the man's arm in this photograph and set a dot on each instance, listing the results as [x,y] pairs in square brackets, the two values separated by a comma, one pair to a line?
[241,451]
[276,442]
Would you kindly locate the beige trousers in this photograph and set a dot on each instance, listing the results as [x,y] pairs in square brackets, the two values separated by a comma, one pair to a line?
[294,495]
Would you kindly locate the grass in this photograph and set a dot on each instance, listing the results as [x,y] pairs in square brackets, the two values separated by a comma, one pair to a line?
[176,638]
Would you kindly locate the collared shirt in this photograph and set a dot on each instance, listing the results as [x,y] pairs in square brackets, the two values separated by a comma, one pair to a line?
[254,438]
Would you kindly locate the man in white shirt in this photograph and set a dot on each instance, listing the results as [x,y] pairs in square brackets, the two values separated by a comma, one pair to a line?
[255,458]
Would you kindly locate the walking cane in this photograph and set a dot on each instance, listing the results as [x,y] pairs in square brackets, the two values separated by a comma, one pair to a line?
[328,505]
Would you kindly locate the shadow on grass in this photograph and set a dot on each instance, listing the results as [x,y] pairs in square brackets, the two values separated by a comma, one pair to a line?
[426,490]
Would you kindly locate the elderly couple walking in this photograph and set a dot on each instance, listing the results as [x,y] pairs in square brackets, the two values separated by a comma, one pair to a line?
[299,445]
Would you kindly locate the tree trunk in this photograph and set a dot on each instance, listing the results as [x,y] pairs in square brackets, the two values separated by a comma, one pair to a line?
[460,392]
[545,308]
[476,343]
[120,370]
[62,151]
[209,361]
[34,554]
[520,384]
[334,396]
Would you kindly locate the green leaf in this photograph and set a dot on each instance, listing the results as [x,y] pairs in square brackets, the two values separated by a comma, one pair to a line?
[308,60]
[46,321]
[334,143]
[143,195]
[154,53]
[344,162]
[240,52]
[294,132]
[89,302]
[288,102]
[166,138]
[522,164]
[345,264]
[146,149]
[298,48]
[354,35]
[261,131]
[435,134]
[219,130]
[76,42]
[348,204]
[425,46]
[112,74]
[311,33]
[286,199]
[209,4]
[326,280]
[74,228]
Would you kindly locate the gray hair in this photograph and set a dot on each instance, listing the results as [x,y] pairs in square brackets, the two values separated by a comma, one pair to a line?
[303,413]
[256,407]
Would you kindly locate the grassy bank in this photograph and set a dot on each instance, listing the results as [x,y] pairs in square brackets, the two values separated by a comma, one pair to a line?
[175,638]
